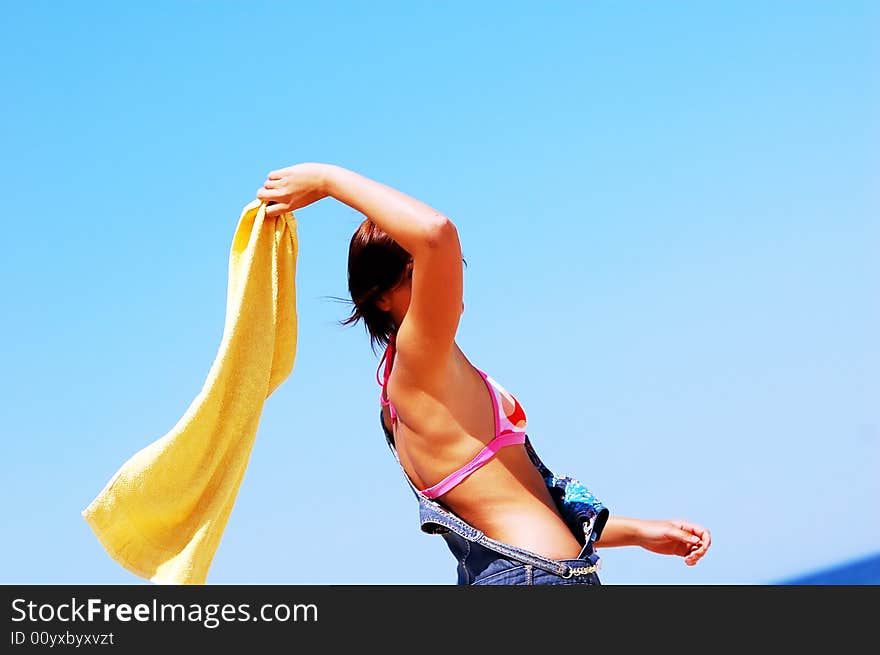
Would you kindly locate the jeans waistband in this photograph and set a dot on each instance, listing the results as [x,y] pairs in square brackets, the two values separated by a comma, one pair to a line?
[434,518]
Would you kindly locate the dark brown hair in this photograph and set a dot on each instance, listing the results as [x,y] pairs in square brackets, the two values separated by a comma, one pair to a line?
[376,264]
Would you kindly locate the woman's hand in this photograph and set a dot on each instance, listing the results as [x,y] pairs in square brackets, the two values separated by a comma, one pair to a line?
[674,537]
[294,187]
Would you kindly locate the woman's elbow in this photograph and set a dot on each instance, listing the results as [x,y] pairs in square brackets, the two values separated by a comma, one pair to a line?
[442,231]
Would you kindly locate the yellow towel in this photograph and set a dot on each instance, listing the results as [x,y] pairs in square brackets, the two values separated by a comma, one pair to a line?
[162,514]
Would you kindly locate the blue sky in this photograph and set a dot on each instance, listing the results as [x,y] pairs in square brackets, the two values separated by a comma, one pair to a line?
[672,206]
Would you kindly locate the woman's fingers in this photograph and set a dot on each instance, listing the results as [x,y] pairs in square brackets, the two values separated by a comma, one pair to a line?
[684,534]
[702,533]
[277,208]
[269,194]
[700,546]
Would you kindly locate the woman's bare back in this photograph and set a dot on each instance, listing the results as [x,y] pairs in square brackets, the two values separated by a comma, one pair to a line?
[441,430]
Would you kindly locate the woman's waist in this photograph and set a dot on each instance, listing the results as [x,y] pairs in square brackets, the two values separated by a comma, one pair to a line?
[520,520]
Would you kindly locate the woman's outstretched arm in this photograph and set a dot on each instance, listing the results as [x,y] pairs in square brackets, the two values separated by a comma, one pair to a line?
[409,221]
[666,537]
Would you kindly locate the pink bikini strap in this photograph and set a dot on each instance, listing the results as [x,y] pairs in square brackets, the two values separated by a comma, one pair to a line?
[495,406]
[388,357]
[508,438]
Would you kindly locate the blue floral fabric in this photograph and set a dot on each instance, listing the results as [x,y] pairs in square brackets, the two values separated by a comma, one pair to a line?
[582,511]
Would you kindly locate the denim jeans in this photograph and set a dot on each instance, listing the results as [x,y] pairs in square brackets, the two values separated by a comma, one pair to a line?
[486,561]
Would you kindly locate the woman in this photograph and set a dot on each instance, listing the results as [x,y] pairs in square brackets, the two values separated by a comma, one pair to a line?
[505,516]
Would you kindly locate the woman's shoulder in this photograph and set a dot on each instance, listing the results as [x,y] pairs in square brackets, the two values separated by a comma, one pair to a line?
[421,364]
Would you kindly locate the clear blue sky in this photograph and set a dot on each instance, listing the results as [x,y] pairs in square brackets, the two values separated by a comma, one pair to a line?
[673,205]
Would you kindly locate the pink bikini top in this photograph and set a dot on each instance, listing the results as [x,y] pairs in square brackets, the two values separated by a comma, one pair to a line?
[510,425]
